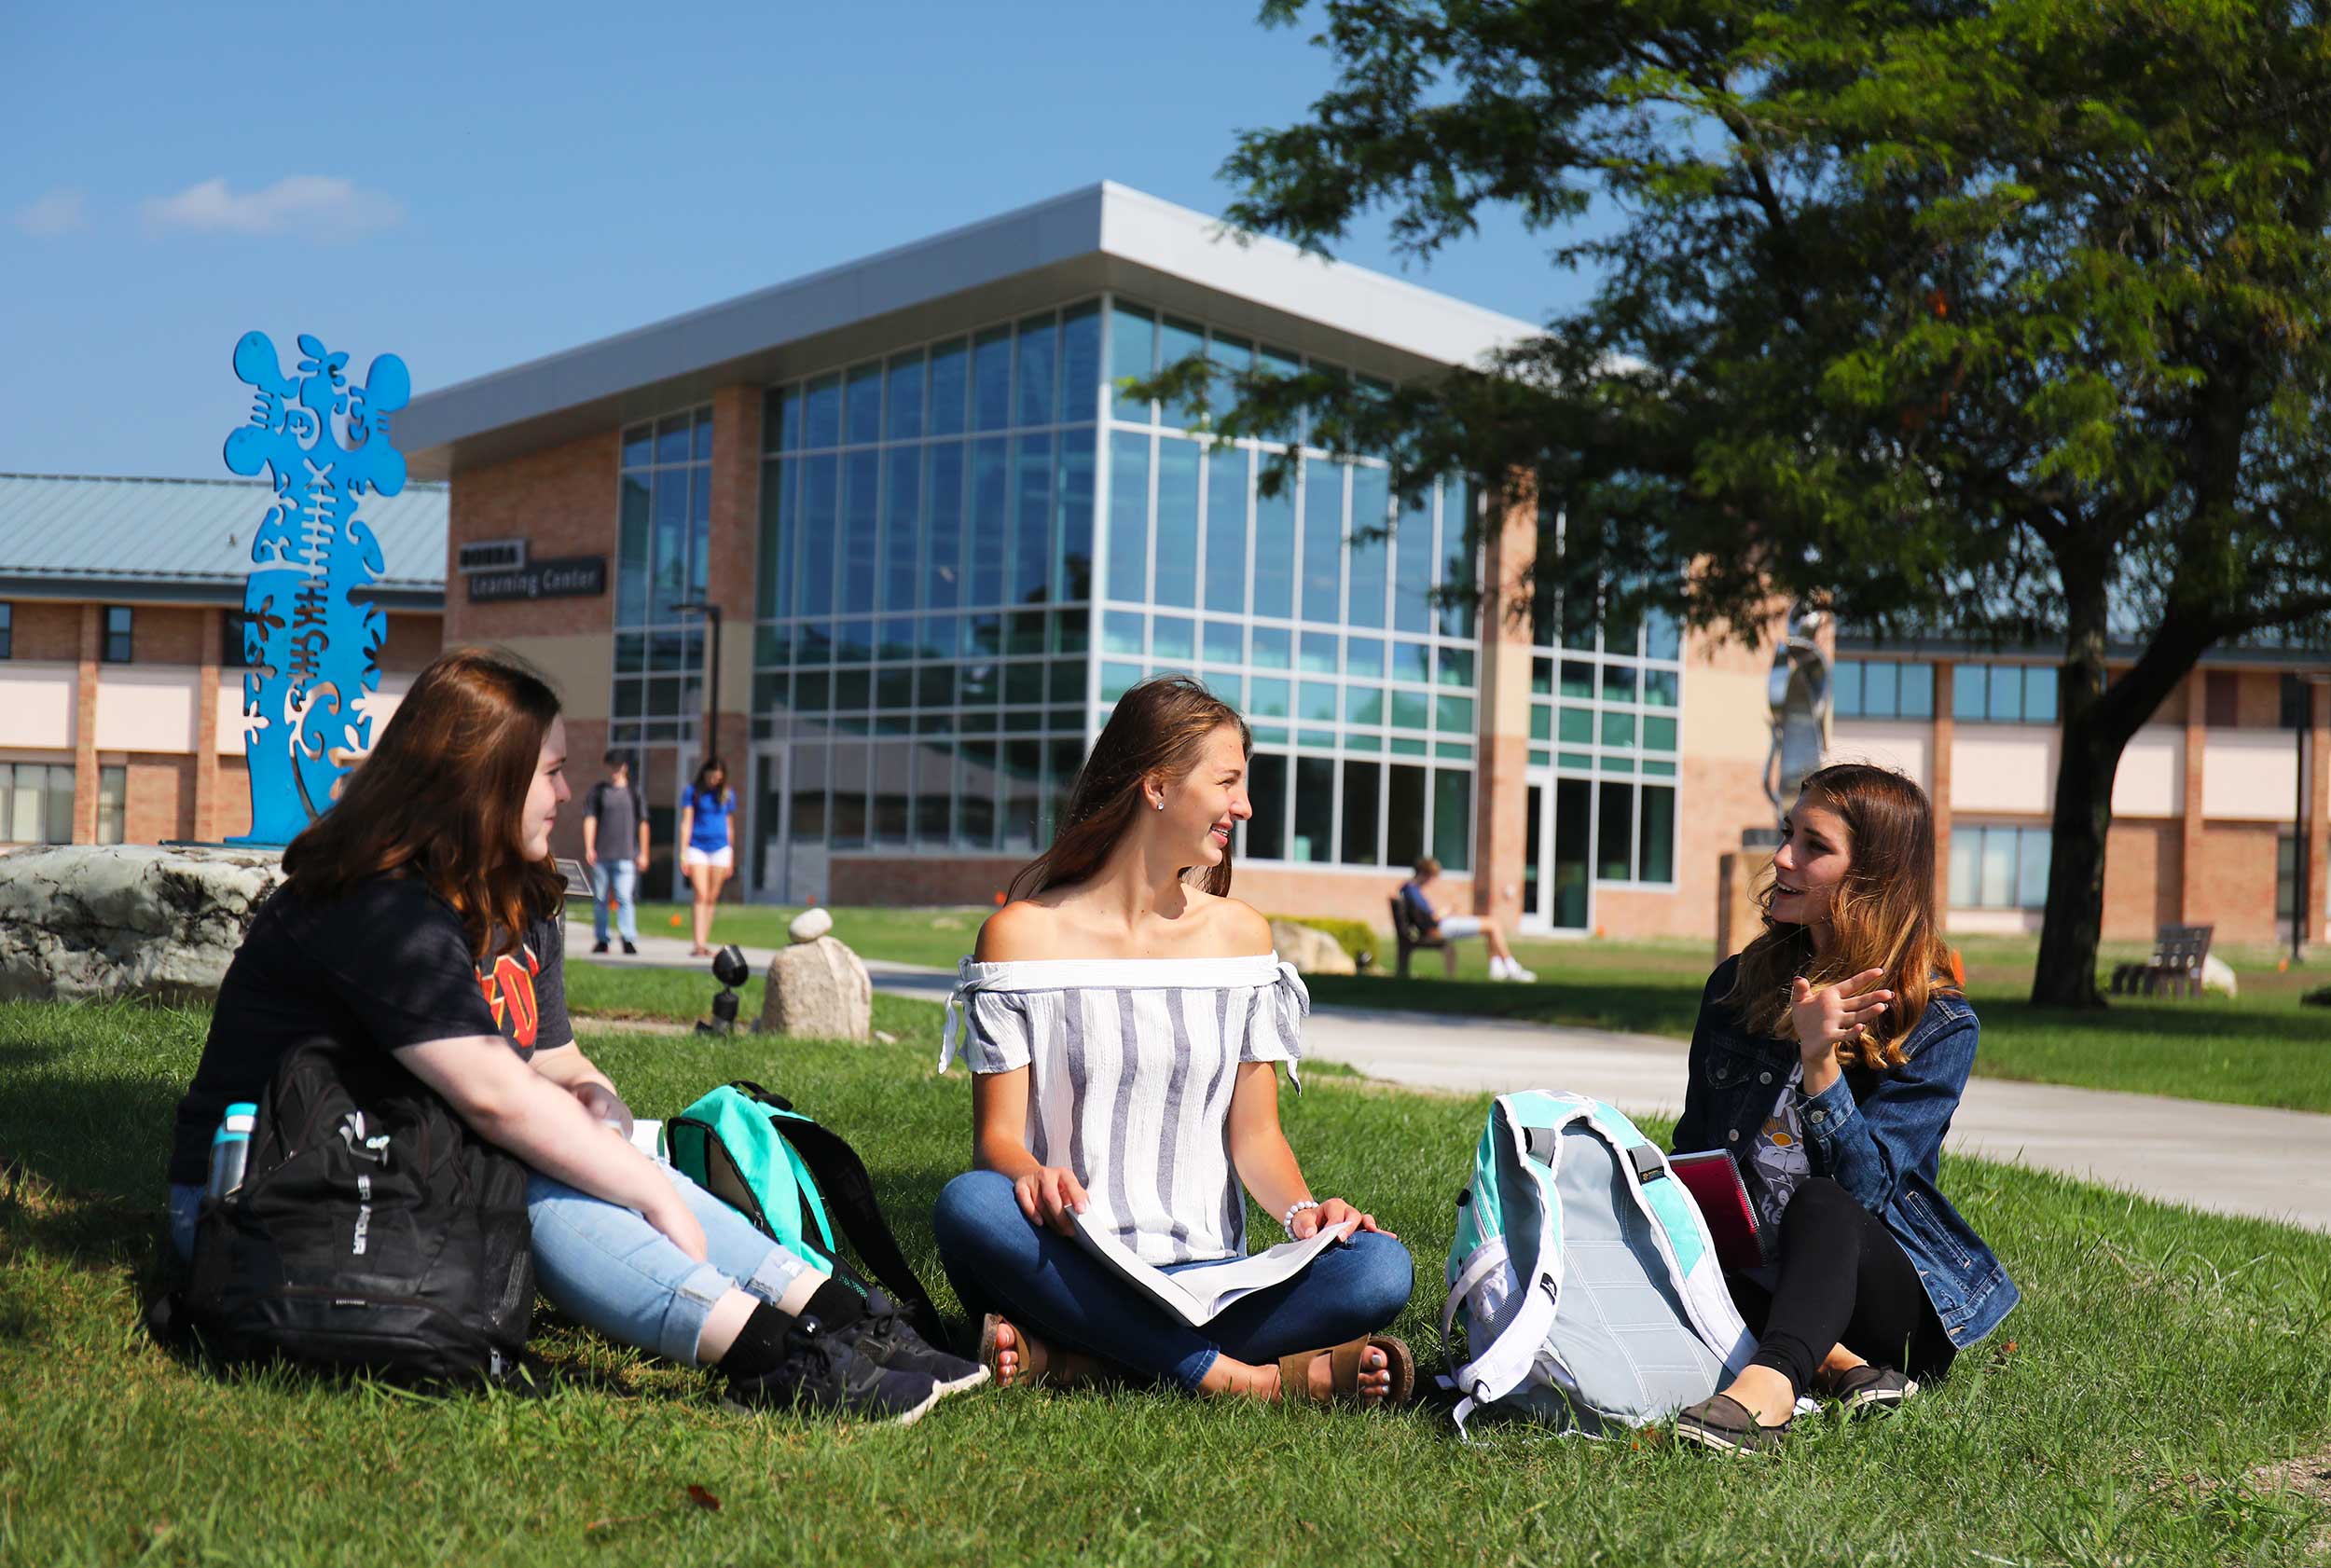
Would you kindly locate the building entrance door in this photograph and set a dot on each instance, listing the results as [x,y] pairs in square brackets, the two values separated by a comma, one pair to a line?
[1557,877]
[787,832]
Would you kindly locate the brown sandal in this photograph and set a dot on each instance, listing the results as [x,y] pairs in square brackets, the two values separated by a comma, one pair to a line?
[1343,1368]
[1048,1368]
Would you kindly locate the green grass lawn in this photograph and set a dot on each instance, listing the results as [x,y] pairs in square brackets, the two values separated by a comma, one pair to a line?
[2162,1368]
[2263,1049]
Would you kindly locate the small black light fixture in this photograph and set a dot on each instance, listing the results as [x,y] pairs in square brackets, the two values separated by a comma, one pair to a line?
[731,969]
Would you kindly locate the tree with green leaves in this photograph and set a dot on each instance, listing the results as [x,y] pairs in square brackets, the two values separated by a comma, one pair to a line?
[2005,322]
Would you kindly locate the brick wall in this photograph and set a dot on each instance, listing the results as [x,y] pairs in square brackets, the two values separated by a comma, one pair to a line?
[2231,885]
[562,501]
[160,799]
[45,631]
[909,880]
[412,641]
[2143,862]
[169,634]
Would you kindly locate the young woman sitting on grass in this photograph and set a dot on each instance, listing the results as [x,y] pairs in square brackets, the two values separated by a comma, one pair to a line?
[1827,1060]
[421,916]
[1124,1018]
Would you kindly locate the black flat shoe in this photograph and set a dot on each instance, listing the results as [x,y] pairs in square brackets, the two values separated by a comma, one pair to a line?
[1722,1422]
[1867,1390]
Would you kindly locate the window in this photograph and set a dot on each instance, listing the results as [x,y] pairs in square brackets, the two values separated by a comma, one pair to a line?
[8,631]
[2295,699]
[119,637]
[2221,700]
[112,792]
[38,803]
[1883,689]
[230,634]
[2002,694]
[1998,867]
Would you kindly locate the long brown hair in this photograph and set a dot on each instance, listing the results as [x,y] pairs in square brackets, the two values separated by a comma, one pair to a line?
[1881,917]
[1159,728]
[441,797]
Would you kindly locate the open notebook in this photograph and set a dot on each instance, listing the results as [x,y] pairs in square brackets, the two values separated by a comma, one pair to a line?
[1201,1295]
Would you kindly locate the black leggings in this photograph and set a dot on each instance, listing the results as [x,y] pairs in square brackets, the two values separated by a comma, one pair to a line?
[1844,1280]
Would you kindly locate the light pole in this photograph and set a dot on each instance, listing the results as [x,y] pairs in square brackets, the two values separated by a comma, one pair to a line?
[711,613]
[2302,721]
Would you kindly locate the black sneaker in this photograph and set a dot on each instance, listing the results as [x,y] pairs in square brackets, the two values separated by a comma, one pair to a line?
[631,947]
[885,1338]
[598,947]
[1867,1390]
[821,1372]
[1723,1424]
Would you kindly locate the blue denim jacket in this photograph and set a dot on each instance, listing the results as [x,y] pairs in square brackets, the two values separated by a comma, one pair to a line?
[1876,1133]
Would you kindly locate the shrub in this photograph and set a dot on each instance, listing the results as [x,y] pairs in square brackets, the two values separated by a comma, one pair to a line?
[1355,937]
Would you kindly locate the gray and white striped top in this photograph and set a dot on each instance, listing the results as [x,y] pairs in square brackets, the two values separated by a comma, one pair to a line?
[1132,1065]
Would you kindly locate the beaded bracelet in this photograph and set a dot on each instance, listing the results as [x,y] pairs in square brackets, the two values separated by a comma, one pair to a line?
[1287,1223]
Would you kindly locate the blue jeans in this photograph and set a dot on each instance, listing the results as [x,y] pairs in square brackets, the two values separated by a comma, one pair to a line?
[611,1271]
[998,1262]
[622,876]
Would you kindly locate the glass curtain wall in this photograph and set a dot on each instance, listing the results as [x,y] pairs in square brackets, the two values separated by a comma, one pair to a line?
[925,593]
[663,542]
[1310,610]
[1605,700]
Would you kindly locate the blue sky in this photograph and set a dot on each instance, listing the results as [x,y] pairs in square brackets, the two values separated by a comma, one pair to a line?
[471,185]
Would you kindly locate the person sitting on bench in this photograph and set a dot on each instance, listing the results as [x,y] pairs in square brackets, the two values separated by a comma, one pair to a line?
[1433,924]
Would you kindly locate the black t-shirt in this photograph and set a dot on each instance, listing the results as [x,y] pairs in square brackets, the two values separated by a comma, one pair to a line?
[387,966]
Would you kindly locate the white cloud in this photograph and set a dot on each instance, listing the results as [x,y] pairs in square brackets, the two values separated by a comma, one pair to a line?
[320,207]
[60,211]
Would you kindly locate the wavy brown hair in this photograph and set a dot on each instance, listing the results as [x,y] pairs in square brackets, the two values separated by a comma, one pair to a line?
[1881,917]
[441,797]
[1159,728]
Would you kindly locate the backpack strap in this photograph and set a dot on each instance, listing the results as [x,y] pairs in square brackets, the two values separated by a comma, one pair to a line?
[849,1191]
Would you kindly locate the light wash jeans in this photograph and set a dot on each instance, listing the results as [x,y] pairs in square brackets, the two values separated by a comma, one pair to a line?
[611,1271]
[1000,1262]
[622,876]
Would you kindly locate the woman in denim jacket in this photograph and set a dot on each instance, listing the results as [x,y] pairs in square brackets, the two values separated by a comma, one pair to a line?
[1827,1060]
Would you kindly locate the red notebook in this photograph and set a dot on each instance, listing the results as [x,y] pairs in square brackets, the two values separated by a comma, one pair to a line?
[1713,1182]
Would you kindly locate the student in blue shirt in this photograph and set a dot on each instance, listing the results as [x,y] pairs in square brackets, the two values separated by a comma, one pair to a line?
[1827,1060]
[707,844]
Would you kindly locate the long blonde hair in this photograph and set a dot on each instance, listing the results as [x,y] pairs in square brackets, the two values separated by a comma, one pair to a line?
[1160,727]
[1881,917]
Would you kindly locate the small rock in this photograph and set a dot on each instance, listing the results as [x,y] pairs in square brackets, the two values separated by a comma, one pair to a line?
[886,1036]
[811,924]
[1311,951]
[818,989]
[84,921]
[2218,975]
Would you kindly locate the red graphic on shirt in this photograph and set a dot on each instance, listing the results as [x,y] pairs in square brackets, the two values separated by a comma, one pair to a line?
[509,991]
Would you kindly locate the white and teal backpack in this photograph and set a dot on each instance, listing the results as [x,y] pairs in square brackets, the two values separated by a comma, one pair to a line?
[1583,1275]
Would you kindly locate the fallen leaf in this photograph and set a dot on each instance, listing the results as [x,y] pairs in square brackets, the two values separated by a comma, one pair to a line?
[702,1498]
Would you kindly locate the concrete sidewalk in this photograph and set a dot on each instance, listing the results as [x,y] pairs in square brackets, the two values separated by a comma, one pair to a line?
[2241,1160]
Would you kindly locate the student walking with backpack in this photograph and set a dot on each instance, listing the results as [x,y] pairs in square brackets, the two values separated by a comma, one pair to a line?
[707,834]
[1827,1060]
[613,821]
[421,923]
[1125,1021]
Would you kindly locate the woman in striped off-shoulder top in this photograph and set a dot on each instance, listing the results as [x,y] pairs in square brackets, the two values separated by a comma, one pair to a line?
[1123,1018]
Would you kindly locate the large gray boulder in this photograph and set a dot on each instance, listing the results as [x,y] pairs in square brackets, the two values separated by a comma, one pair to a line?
[818,989]
[1312,951]
[82,921]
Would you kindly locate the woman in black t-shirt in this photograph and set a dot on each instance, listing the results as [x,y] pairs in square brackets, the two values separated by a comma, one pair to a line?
[421,916]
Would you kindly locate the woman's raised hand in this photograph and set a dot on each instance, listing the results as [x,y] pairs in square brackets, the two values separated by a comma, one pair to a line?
[1048,1195]
[1333,1212]
[1835,1013]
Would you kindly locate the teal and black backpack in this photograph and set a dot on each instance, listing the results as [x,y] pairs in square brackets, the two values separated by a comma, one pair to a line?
[1582,1274]
[795,1179]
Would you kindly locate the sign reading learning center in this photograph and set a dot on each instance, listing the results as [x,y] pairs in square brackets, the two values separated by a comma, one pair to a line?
[567,577]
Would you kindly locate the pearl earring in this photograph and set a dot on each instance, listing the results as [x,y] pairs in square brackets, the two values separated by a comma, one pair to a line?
[1161,806]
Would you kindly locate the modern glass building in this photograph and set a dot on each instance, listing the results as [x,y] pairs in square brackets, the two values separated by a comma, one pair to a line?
[901,522]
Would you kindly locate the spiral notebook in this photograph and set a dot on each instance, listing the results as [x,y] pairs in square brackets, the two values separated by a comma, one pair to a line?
[1713,1179]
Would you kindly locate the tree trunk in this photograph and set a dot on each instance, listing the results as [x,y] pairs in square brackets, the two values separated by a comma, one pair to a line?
[2098,724]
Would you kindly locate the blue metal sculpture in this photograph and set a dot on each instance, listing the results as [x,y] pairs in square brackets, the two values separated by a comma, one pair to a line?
[311,649]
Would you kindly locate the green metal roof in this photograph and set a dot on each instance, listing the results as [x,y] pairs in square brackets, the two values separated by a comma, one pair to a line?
[190,539]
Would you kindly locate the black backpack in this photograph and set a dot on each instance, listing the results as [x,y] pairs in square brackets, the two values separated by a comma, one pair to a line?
[374,1232]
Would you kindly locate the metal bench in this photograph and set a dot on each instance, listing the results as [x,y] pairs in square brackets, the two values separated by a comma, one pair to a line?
[1408,936]
[2175,964]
